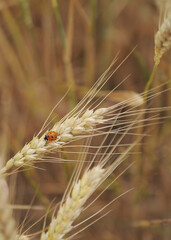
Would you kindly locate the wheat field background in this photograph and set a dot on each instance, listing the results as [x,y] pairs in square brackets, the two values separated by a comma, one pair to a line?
[48,47]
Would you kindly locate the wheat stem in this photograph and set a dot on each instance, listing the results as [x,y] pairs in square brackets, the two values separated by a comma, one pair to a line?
[148,85]
[59,21]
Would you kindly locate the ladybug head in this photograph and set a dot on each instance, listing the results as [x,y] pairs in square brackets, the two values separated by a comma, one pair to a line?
[46,137]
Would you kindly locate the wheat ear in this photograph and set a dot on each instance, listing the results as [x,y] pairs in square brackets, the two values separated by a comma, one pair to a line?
[163,39]
[7,223]
[67,131]
[73,206]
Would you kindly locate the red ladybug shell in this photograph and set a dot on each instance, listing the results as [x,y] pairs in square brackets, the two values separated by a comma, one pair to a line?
[51,136]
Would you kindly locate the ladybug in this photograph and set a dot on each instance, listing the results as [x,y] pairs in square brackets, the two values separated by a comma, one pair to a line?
[51,136]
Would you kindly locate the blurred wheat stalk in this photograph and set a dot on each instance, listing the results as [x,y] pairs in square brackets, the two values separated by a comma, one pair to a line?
[8,230]
[7,223]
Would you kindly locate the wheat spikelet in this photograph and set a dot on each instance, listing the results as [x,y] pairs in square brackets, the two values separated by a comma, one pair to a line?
[73,206]
[7,223]
[67,130]
[163,40]
[163,36]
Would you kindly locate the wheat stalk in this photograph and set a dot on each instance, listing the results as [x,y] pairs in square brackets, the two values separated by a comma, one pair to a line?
[7,223]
